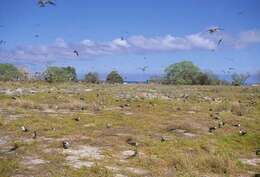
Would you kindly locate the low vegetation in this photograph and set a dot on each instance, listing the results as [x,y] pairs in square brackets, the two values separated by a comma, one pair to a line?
[131,130]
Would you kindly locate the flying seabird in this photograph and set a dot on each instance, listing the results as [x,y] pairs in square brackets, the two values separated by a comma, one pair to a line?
[76,52]
[2,42]
[143,68]
[240,12]
[214,29]
[219,41]
[43,3]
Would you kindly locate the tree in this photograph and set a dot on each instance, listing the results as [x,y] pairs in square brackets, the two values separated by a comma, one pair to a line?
[184,73]
[9,72]
[239,79]
[114,77]
[207,78]
[70,73]
[156,79]
[92,77]
[60,74]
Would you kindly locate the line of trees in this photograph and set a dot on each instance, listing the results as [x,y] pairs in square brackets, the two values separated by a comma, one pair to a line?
[9,72]
[182,73]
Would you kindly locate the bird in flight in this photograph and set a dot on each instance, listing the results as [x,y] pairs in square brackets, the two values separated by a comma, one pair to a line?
[2,42]
[240,13]
[214,29]
[36,35]
[76,52]
[143,68]
[43,3]
[219,41]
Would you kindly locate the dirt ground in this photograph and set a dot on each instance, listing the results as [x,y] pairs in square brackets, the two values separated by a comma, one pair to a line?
[128,130]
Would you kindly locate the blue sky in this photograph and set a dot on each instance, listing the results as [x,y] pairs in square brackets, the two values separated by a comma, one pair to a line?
[156,34]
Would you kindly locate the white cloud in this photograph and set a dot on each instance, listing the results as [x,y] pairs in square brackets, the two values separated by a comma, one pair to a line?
[251,36]
[60,49]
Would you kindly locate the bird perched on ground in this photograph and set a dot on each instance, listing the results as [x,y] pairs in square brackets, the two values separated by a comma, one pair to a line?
[164,138]
[43,3]
[134,155]
[76,52]
[108,125]
[131,142]
[257,152]
[221,124]
[34,135]
[214,29]
[242,132]
[24,129]
[14,147]
[65,144]
[211,129]
[77,119]
[237,125]
[143,68]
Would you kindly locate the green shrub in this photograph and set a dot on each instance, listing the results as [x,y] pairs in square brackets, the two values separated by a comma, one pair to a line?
[60,74]
[92,77]
[9,72]
[239,79]
[114,77]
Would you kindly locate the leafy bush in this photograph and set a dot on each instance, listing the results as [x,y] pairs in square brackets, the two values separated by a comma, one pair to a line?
[9,72]
[60,74]
[239,79]
[183,73]
[186,73]
[114,77]
[92,77]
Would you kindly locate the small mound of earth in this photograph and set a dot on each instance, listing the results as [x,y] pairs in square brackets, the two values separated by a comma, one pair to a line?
[184,132]
[77,157]
[253,162]
[137,171]
[32,161]
[189,134]
[120,175]
[127,154]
